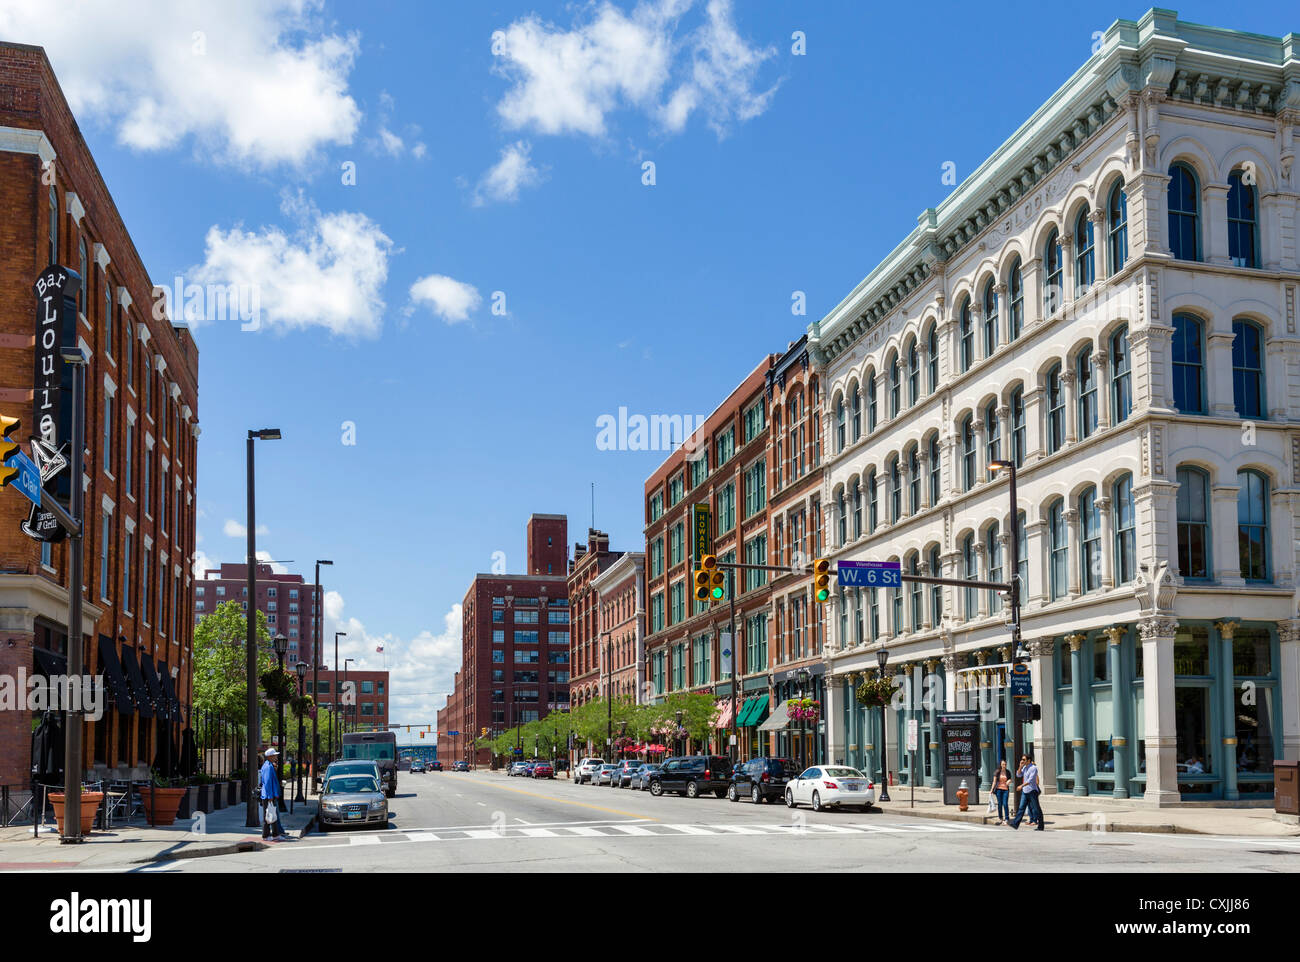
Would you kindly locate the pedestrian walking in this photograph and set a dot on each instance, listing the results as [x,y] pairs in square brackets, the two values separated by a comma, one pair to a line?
[269,786]
[1029,792]
[1001,791]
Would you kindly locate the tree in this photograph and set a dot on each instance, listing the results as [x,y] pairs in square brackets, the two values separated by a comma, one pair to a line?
[220,666]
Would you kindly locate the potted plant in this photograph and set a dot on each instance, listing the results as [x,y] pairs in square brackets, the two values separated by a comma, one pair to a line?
[89,808]
[161,801]
[875,692]
[803,709]
[235,789]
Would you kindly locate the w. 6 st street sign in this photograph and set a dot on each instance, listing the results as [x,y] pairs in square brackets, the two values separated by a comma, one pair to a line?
[870,574]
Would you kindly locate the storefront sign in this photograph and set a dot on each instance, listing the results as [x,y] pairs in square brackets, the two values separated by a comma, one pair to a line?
[56,327]
[701,531]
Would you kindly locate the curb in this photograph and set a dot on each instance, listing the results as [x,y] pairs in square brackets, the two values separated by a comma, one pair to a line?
[1140,829]
[232,849]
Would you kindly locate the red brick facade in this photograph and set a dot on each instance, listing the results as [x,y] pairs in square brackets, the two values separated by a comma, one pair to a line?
[285,599]
[589,639]
[373,698]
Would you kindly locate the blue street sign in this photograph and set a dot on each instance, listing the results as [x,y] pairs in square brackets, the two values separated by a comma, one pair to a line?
[870,574]
[29,478]
[1021,684]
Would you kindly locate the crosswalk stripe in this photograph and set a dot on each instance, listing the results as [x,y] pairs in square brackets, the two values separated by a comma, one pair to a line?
[584,831]
[537,833]
[691,829]
[362,839]
[423,837]
[836,829]
[630,830]
[484,833]
[737,829]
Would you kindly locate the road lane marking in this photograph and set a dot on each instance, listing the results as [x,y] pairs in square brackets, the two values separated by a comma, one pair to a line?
[691,830]
[583,831]
[538,833]
[483,833]
[737,829]
[562,801]
[363,840]
[422,836]
[631,830]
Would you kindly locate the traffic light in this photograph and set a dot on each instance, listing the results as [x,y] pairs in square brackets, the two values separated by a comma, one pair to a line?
[716,580]
[8,448]
[421,734]
[822,580]
[700,579]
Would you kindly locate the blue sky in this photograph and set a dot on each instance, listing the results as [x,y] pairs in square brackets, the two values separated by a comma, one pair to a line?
[222,131]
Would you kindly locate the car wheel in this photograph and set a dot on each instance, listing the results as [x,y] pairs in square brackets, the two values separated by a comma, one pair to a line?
[692,790]
[789,798]
[719,793]
[656,789]
[732,794]
[755,795]
[816,802]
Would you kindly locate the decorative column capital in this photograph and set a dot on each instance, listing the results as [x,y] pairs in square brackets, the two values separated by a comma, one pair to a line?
[1288,632]
[1114,635]
[1041,647]
[1157,627]
[930,665]
[1076,641]
[950,662]
[1226,627]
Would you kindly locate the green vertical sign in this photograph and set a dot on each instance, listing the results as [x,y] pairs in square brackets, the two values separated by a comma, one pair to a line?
[702,532]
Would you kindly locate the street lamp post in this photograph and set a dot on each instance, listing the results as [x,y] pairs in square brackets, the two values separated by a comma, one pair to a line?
[347,724]
[251,819]
[1017,646]
[337,693]
[281,649]
[803,676]
[315,667]
[882,659]
[302,731]
[678,734]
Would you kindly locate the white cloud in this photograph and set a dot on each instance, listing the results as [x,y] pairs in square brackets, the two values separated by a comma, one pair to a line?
[203,562]
[329,272]
[450,299]
[568,81]
[508,175]
[256,83]
[265,558]
[233,529]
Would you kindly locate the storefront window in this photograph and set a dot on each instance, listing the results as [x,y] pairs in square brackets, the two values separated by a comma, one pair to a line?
[1192,724]
[1066,662]
[1066,699]
[1192,650]
[1252,654]
[1140,730]
[1103,729]
[1100,660]
[1255,734]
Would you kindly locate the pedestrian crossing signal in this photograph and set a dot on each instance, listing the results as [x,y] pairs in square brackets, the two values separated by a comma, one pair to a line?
[821,580]
[8,448]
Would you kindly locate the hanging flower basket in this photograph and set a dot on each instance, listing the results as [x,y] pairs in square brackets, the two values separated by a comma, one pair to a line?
[875,692]
[803,709]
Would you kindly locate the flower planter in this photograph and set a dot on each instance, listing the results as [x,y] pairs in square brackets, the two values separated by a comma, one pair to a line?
[218,795]
[161,804]
[189,802]
[203,798]
[235,794]
[89,808]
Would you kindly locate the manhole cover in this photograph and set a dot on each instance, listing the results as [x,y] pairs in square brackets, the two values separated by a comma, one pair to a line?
[308,871]
[1273,851]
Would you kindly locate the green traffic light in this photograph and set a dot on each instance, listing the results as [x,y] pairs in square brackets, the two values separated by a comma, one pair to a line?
[823,595]
[717,594]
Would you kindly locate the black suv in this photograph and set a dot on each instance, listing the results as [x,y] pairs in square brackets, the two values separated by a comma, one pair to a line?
[761,779]
[693,775]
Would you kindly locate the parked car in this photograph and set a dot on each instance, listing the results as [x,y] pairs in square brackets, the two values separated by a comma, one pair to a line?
[417,767]
[640,779]
[623,775]
[543,770]
[586,769]
[460,766]
[693,775]
[517,768]
[830,786]
[604,774]
[353,799]
[761,779]
[357,766]
[435,766]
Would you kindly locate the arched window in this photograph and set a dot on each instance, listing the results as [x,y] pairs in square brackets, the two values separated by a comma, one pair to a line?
[1058,547]
[1085,264]
[895,490]
[895,389]
[1125,531]
[1189,365]
[842,512]
[917,605]
[857,411]
[913,480]
[1090,546]
[1018,429]
[871,401]
[936,591]
[1184,214]
[990,319]
[970,571]
[1055,411]
[1121,388]
[1022,552]
[1053,266]
[932,357]
[993,549]
[1243,222]
[873,496]
[1117,222]
[968,453]
[913,374]
[855,495]
[1248,370]
[936,471]
[1086,372]
[896,606]
[839,424]
[992,433]
[1016,293]
[967,337]
[1193,523]
[1252,525]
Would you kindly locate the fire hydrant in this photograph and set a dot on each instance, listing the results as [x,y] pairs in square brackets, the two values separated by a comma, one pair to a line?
[963,794]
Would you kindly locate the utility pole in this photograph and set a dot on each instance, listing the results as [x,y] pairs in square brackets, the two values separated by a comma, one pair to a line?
[74,729]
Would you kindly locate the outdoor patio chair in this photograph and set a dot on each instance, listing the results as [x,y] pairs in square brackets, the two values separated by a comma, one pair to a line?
[117,801]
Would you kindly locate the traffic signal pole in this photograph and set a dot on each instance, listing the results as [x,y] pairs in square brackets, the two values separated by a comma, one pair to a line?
[71,522]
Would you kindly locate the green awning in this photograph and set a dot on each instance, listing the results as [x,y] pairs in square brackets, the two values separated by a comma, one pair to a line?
[743,713]
[753,712]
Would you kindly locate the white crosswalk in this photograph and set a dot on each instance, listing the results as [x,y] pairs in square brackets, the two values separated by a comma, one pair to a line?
[647,829]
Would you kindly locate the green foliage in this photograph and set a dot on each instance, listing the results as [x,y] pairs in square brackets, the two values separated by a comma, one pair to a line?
[220,670]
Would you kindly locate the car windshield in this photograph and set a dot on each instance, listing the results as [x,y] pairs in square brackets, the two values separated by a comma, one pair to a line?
[348,784]
[843,772]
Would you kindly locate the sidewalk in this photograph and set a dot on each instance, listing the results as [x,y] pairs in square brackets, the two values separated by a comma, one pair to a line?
[1103,814]
[218,833]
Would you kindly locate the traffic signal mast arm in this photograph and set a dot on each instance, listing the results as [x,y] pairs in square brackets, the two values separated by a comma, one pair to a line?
[956,582]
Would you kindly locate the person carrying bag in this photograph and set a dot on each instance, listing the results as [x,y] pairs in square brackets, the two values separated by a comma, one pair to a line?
[269,786]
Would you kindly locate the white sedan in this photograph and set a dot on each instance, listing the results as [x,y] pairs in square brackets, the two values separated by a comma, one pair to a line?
[830,786]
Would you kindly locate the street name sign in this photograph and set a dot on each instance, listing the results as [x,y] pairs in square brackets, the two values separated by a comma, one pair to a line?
[29,476]
[870,574]
[1022,688]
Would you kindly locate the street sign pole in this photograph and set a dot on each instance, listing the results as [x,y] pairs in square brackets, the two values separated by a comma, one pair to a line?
[74,729]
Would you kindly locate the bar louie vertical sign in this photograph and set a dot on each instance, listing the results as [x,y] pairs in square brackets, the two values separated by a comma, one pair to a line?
[56,325]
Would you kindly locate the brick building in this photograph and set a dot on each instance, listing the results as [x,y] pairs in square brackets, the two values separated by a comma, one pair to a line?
[620,599]
[286,600]
[728,471]
[589,635]
[141,437]
[515,661]
[370,713]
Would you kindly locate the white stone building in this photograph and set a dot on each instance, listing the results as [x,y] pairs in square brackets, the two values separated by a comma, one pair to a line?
[1109,301]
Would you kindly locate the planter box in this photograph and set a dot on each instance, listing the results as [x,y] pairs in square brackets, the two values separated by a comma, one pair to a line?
[203,798]
[161,804]
[89,809]
[236,794]
[189,802]
[218,795]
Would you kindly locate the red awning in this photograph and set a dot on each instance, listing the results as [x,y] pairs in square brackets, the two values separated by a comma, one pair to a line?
[724,715]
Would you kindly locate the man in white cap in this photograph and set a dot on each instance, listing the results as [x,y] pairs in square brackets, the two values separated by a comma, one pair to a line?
[270,789]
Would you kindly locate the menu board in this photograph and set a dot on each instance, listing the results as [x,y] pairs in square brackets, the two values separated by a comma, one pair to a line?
[961,748]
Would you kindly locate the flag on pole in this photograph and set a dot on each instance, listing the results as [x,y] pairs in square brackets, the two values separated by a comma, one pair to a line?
[380,648]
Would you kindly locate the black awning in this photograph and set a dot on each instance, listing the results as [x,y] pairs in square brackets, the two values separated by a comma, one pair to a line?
[48,663]
[169,689]
[155,687]
[111,669]
[143,703]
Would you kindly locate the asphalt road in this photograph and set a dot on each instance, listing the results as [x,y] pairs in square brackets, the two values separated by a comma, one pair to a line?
[484,821]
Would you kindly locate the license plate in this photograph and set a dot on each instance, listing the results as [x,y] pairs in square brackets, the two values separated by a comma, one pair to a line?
[854,788]
[356,814]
